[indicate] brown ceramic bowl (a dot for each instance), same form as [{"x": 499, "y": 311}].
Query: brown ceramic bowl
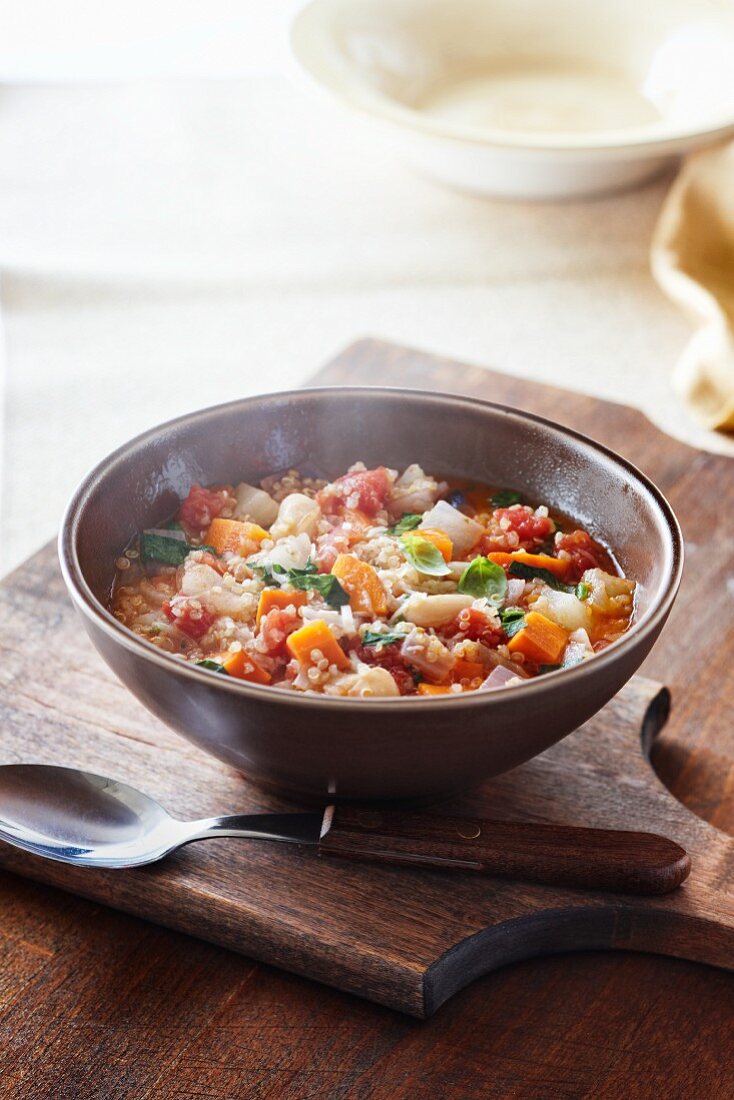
[{"x": 405, "y": 748}]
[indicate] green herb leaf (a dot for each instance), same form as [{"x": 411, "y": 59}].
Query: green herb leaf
[
  {"x": 170, "y": 551},
  {"x": 265, "y": 572},
  {"x": 505, "y": 498},
  {"x": 371, "y": 637},
  {"x": 513, "y": 620},
  {"x": 542, "y": 669},
  {"x": 308, "y": 570},
  {"x": 484, "y": 578},
  {"x": 307, "y": 579},
  {"x": 424, "y": 556},
  {"x": 213, "y": 666},
  {"x": 582, "y": 591},
  {"x": 326, "y": 584},
  {"x": 409, "y": 522},
  {"x": 532, "y": 573}
]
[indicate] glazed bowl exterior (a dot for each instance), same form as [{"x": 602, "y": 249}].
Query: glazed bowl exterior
[{"x": 407, "y": 748}]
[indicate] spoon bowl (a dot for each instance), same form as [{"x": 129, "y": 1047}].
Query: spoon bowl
[{"x": 80, "y": 817}]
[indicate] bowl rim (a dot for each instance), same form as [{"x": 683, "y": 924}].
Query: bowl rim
[
  {"x": 86, "y": 602},
  {"x": 658, "y": 139}
]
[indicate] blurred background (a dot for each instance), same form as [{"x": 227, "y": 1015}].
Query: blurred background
[{"x": 181, "y": 223}]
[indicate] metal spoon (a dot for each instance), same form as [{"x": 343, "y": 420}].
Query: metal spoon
[{"x": 78, "y": 817}]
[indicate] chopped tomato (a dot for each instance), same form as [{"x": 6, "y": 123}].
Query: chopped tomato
[
  {"x": 582, "y": 550},
  {"x": 330, "y": 546},
  {"x": 194, "y": 621},
  {"x": 275, "y": 627},
  {"x": 363, "y": 490},
  {"x": 351, "y": 527},
  {"x": 201, "y": 507},
  {"x": 530, "y": 529},
  {"x": 476, "y": 626}
]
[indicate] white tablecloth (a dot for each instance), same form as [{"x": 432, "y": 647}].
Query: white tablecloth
[{"x": 167, "y": 244}]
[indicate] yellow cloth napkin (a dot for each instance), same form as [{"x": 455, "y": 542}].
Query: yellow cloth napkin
[{"x": 693, "y": 261}]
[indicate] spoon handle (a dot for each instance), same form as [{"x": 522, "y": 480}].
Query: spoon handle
[{"x": 557, "y": 855}]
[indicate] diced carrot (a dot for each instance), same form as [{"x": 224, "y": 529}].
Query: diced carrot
[
  {"x": 540, "y": 640},
  {"x": 434, "y": 689},
  {"x": 316, "y": 636},
  {"x": 361, "y": 581},
  {"x": 557, "y": 566},
  {"x": 440, "y": 540},
  {"x": 232, "y": 534},
  {"x": 277, "y": 597},
  {"x": 242, "y": 667},
  {"x": 468, "y": 670}
]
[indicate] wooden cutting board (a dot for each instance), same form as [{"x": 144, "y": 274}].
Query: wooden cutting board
[{"x": 406, "y": 938}]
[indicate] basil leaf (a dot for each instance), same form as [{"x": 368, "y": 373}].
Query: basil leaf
[
  {"x": 308, "y": 570},
  {"x": 542, "y": 669},
  {"x": 505, "y": 498},
  {"x": 484, "y": 578},
  {"x": 213, "y": 666},
  {"x": 424, "y": 556},
  {"x": 307, "y": 579},
  {"x": 409, "y": 522},
  {"x": 371, "y": 637},
  {"x": 277, "y": 574},
  {"x": 513, "y": 620},
  {"x": 532, "y": 573},
  {"x": 582, "y": 591},
  {"x": 170, "y": 551},
  {"x": 326, "y": 584},
  {"x": 265, "y": 572}
]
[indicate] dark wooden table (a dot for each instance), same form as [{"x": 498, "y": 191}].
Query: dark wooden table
[{"x": 96, "y": 1004}]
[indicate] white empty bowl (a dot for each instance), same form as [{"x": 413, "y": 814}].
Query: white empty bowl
[{"x": 529, "y": 98}]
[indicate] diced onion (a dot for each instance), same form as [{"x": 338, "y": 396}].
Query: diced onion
[
  {"x": 463, "y": 532},
  {"x": 563, "y": 608},
  {"x": 515, "y": 589},
  {"x": 499, "y": 677},
  {"x": 347, "y": 617},
  {"x": 290, "y": 553}
]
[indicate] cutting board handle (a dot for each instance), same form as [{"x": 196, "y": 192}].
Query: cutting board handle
[{"x": 558, "y": 855}]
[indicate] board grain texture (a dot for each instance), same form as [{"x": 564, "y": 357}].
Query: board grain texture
[{"x": 94, "y": 1003}]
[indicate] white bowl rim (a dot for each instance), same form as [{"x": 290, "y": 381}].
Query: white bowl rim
[{"x": 657, "y": 139}]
